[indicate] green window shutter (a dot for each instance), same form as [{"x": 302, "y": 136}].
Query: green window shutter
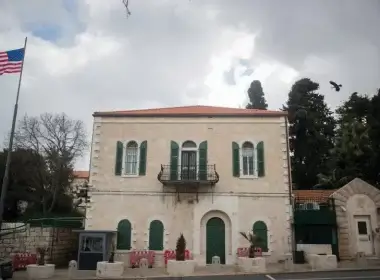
[
  {"x": 174, "y": 152},
  {"x": 203, "y": 160},
  {"x": 235, "y": 160},
  {"x": 143, "y": 152},
  {"x": 156, "y": 236},
  {"x": 260, "y": 159},
  {"x": 124, "y": 230},
  {"x": 119, "y": 158},
  {"x": 261, "y": 231}
]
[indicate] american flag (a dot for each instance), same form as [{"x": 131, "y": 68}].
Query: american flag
[{"x": 11, "y": 61}]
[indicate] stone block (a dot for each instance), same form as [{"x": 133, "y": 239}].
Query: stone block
[
  {"x": 322, "y": 262},
  {"x": 181, "y": 268},
  {"x": 73, "y": 267},
  {"x": 259, "y": 265},
  {"x": 109, "y": 270},
  {"x": 248, "y": 265},
  {"x": 143, "y": 266},
  {"x": 215, "y": 264},
  {"x": 361, "y": 259},
  {"x": 288, "y": 262},
  {"x": 35, "y": 271}
]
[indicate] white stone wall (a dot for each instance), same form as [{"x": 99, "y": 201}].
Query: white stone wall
[
  {"x": 219, "y": 133},
  {"x": 21, "y": 238},
  {"x": 239, "y": 212}
]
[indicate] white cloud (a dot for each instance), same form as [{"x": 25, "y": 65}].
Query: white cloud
[{"x": 175, "y": 52}]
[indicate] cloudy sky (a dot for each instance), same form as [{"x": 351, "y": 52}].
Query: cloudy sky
[{"x": 85, "y": 55}]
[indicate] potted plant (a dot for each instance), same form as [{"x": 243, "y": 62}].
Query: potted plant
[
  {"x": 41, "y": 253},
  {"x": 252, "y": 263},
  {"x": 180, "y": 266},
  {"x": 253, "y": 240},
  {"x": 110, "y": 268},
  {"x": 180, "y": 248},
  {"x": 112, "y": 255},
  {"x": 40, "y": 270}
]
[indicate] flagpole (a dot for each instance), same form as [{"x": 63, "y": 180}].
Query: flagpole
[{"x": 4, "y": 186}]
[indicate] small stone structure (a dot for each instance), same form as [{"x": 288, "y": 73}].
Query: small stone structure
[
  {"x": 109, "y": 270},
  {"x": 288, "y": 262},
  {"x": 181, "y": 268},
  {"x": 215, "y": 263},
  {"x": 322, "y": 262},
  {"x": 143, "y": 266},
  {"x": 73, "y": 268},
  {"x": 256, "y": 265},
  {"x": 35, "y": 271},
  {"x": 22, "y": 238}
]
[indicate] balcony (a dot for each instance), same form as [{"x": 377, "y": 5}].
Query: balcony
[{"x": 188, "y": 175}]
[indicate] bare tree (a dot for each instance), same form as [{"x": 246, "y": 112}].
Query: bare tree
[{"x": 60, "y": 141}]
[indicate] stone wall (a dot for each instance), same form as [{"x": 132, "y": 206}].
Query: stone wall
[{"x": 62, "y": 243}]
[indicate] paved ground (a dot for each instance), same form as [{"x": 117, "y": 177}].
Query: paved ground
[
  {"x": 335, "y": 275},
  {"x": 331, "y": 275}
]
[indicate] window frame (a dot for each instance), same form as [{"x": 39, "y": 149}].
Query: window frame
[
  {"x": 255, "y": 174},
  {"x": 196, "y": 149},
  {"x": 131, "y": 236},
  {"x": 123, "y": 168}
]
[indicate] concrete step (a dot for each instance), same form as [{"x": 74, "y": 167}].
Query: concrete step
[{"x": 373, "y": 261}]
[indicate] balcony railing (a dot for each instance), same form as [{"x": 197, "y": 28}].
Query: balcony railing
[
  {"x": 170, "y": 174},
  {"x": 321, "y": 212}
]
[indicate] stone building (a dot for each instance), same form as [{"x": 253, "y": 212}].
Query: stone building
[
  {"x": 354, "y": 218},
  {"x": 207, "y": 172}
]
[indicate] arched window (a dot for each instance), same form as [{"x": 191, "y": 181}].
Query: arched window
[
  {"x": 261, "y": 231},
  {"x": 124, "y": 230},
  {"x": 189, "y": 145},
  {"x": 131, "y": 158},
  {"x": 248, "y": 158},
  {"x": 156, "y": 236}
]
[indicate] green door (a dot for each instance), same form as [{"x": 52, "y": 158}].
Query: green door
[{"x": 215, "y": 240}]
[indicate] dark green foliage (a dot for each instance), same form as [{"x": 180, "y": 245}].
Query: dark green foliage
[
  {"x": 356, "y": 152},
  {"x": 180, "y": 248},
  {"x": 256, "y": 96},
  {"x": 311, "y": 124}
]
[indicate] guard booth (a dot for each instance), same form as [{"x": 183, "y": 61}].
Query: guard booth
[{"x": 94, "y": 246}]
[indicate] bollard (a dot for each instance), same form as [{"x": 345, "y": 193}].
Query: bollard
[
  {"x": 143, "y": 266},
  {"x": 73, "y": 267}
]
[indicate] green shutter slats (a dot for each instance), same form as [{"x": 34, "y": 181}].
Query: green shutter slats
[
  {"x": 124, "y": 230},
  {"x": 235, "y": 160},
  {"x": 203, "y": 160},
  {"x": 261, "y": 231},
  {"x": 260, "y": 159},
  {"x": 156, "y": 236},
  {"x": 143, "y": 153},
  {"x": 174, "y": 152},
  {"x": 119, "y": 158}
]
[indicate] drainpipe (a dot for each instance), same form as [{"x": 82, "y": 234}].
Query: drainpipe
[{"x": 290, "y": 184}]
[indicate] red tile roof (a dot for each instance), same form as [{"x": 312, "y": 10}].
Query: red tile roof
[
  {"x": 81, "y": 174},
  {"x": 193, "y": 111},
  {"x": 312, "y": 195}
]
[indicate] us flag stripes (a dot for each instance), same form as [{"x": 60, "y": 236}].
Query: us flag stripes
[{"x": 11, "y": 61}]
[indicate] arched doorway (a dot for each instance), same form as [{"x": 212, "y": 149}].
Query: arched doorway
[{"x": 215, "y": 240}]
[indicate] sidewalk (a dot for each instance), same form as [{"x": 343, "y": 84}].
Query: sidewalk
[{"x": 200, "y": 271}]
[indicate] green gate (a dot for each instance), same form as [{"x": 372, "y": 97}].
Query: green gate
[{"x": 215, "y": 240}]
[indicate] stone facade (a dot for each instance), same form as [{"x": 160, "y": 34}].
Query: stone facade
[
  {"x": 355, "y": 202},
  {"x": 21, "y": 238},
  {"x": 239, "y": 201}
]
